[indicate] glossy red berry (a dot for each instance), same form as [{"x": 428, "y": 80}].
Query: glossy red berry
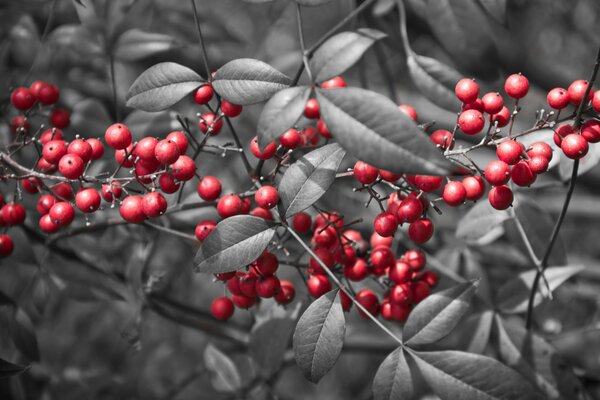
[
  {"x": 409, "y": 110},
  {"x": 516, "y": 86},
  {"x": 356, "y": 271},
  {"x": 144, "y": 149},
  {"x": 209, "y": 188},
  {"x": 22, "y": 98},
  {"x": 596, "y": 101},
  {"x": 242, "y": 301},
  {"x": 502, "y": 118},
  {"x": 111, "y": 191},
  {"x": 31, "y": 185},
  {"x": 369, "y": 301},
  {"x": 323, "y": 130},
  {"x": 62, "y": 213},
  {"x": 230, "y": 110},
  {"x": 62, "y": 191},
  {"x": 522, "y": 175},
  {"x": 443, "y": 139},
  {"x": 132, "y": 209},
  {"x": 180, "y": 139},
  {"x": 500, "y": 197},
  {"x": 420, "y": 231},
  {"x": 401, "y": 294},
  {"x": 266, "y": 197},
  {"x": 428, "y": 183},
  {"x": 265, "y": 154},
  {"x": 210, "y": 124},
  {"x": 154, "y": 204},
  {"x": 454, "y": 193},
  {"x": 54, "y": 150},
  {"x": 222, "y": 308},
  {"x": 492, "y": 103},
  {"x": 87, "y": 200},
  {"x": 47, "y": 94},
  {"x": 415, "y": 258},
  {"x": 577, "y": 91},
  {"x": 45, "y": 202},
  {"x": 47, "y": 225},
  {"x": 267, "y": 286},
  {"x": 389, "y": 176},
  {"x": 335, "y": 82},
  {"x": 60, "y": 118},
  {"x": 168, "y": 184},
  {"x": 421, "y": 291},
  {"x": 301, "y": 222},
  {"x": 409, "y": 210},
  {"x": 467, "y": 90},
  {"x": 184, "y": 168},
  {"x": 538, "y": 164},
  {"x": 325, "y": 256},
  {"x": 400, "y": 272},
  {"x": 540, "y": 149},
  {"x": 497, "y": 173},
  {"x": 291, "y": 139},
  {"x": 476, "y": 105},
  {"x": 13, "y": 214},
  {"x": 382, "y": 258},
  {"x": 591, "y": 131},
  {"x": 166, "y": 152},
  {"x": 386, "y": 224},
  {"x": 118, "y": 136},
  {"x": 365, "y": 173},
  {"x": 286, "y": 293},
  {"x": 71, "y": 166},
  {"x": 558, "y": 98},
  {"x": 204, "y": 228},
  {"x": 574, "y": 146},
  {"x": 471, "y": 122},
  {"x": 229, "y": 205},
  {"x": 474, "y": 187},
  {"x": 203, "y": 94},
  {"x": 311, "y": 110},
  {"x": 19, "y": 124},
  {"x": 266, "y": 264},
  {"x": 6, "y": 245},
  {"x": 318, "y": 285},
  {"x": 561, "y": 132},
  {"x": 81, "y": 148},
  {"x": 510, "y": 151}
]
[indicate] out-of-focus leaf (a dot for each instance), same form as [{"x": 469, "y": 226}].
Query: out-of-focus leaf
[
  {"x": 234, "y": 243},
  {"x": 90, "y": 118},
  {"x": 305, "y": 181},
  {"x": 342, "y": 51},
  {"x": 537, "y": 360},
  {"x": 580, "y": 348},
  {"x": 23, "y": 335},
  {"x": 226, "y": 375},
  {"x": 372, "y": 128},
  {"x": 477, "y": 329},
  {"x": 438, "y": 314},
  {"x": 482, "y": 224},
  {"x": 8, "y": 369},
  {"x": 248, "y": 81},
  {"x": 136, "y": 44},
  {"x": 312, "y": 3},
  {"x": 495, "y": 9},
  {"x": 161, "y": 86},
  {"x": 75, "y": 38},
  {"x": 86, "y": 11},
  {"x": 393, "y": 379},
  {"x": 141, "y": 124},
  {"x": 383, "y": 7},
  {"x": 457, "y": 375},
  {"x": 280, "y": 113},
  {"x": 435, "y": 80},
  {"x": 268, "y": 342},
  {"x": 513, "y": 296},
  {"x": 319, "y": 336},
  {"x": 586, "y": 163}
]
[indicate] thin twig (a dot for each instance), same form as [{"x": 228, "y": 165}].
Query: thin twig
[{"x": 201, "y": 40}]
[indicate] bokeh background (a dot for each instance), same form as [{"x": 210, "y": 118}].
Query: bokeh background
[{"x": 91, "y": 332}]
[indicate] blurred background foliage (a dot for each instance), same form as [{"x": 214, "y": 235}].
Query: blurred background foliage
[{"x": 87, "y": 323}]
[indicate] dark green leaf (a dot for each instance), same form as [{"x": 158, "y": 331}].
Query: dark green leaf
[
  {"x": 438, "y": 314},
  {"x": 308, "y": 179},
  {"x": 393, "y": 379},
  {"x": 226, "y": 375},
  {"x": 234, "y": 243},
  {"x": 373, "y": 129},
  {"x": 161, "y": 86},
  {"x": 136, "y": 44},
  {"x": 268, "y": 342},
  {"x": 435, "y": 80},
  {"x": 281, "y": 112},
  {"x": 457, "y": 375},
  {"x": 513, "y": 296},
  {"x": 248, "y": 81},
  {"x": 342, "y": 51},
  {"x": 537, "y": 360},
  {"x": 8, "y": 369},
  {"x": 482, "y": 224},
  {"x": 319, "y": 336}
]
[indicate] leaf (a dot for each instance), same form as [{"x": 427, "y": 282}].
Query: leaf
[
  {"x": 458, "y": 375},
  {"x": 438, "y": 314},
  {"x": 342, "y": 51},
  {"x": 312, "y": 3},
  {"x": 227, "y": 376},
  {"x": 268, "y": 343},
  {"x": 305, "y": 181},
  {"x": 373, "y": 129},
  {"x": 537, "y": 360},
  {"x": 248, "y": 81},
  {"x": 136, "y": 44},
  {"x": 86, "y": 12},
  {"x": 280, "y": 113},
  {"x": 477, "y": 329},
  {"x": 513, "y": 296},
  {"x": 23, "y": 335},
  {"x": 482, "y": 224},
  {"x": 234, "y": 243},
  {"x": 161, "y": 86},
  {"x": 393, "y": 379},
  {"x": 319, "y": 336},
  {"x": 9, "y": 369},
  {"x": 435, "y": 80},
  {"x": 383, "y": 7},
  {"x": 495, "y": 9}
]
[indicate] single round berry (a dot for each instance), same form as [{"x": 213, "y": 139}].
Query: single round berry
[
  {"x": 386, "y": 224},
  {"x": 409, "y": 210},
  {"x": 47, "y": 94},
  {"x": 184, "y": 168},
  {"x": 31, "y": 185},
  {"x": 266, "y": 197},
  {"x": 577, "y": 91},
  {"x": 377, "y": 240},
  {"x": 54, "y": 150},
  {"x": 13, "y": 214},
  {"x": 154, "y": 204},
  {"x": 265, "y": 154},
  {"x": 87, "y": 200},
  {"x": 203, "y": 94},
  {"x": 522, "y": 175},
  {"x": 204, "y": 228},
  {"x": 242, "y": 301},
  {"x": 326, "y": 236},
  {"x": 471, "y": 122},
  {"x": 500, "y": 197},
  {"x": 301, "y": 222},
  {"x": 538, "y": 164},
  {"x": 310, "y": 135},
  {"x": 408, "y": 110},
  {"x": 400, "y": 272},
  {"x": 516, "y": 86},
  {"x": 229, "y": 205},
  {"x": 311, "y": 110},
  {"x": 421, "y": 291},
  {"x": 474, "y": 187},
  {"x": 62, "y": 191},
  {"x": 325, "y": 256},
  {"x": 335, "y": 82},
  {"x": 389, "y": 176},
  {"x": 266, "y": 264},
  {"x": 22, "y": 98},
  {"x": 60, "y": 118},
  {"x": 45, "y": 202},
  {"x": 574, "y": 146},
  {"x": 132, "y": 209},
  {"x": 454, "y": 193},
  {"x": 558, "y": 98},
  {"x": 47, "y": 225},
  {"x": 428, "y": 183},
  {"x": 62, "y": 213},
  {"x": 415, "y": 258},
  {"x": 230, "y": 110},
  {"x": 222, "y": 308},
  {"x": 369, "y": 301},
  {"x": 6, "y": 245},
  {"x": 210, "y": 124},
  {"x": 591, "y": 131},
  {"x": 540, "y": 149},
  {"x": 497, "y": 173},
  {"x": 262, "y": 213},
  {"x": 420, "y": 231},
  {"x": 510, "y": 151},
  {"x": 118, "y": 136},
  {"x": 168, "y": 184},
  {"x": 81, "y": 148},
  {"x": 443, "y": 139},
  {"x": 166, "y": 152},
  {"x": 365, "y": 173},
  {"x": 291, "y": 139},
  {"x": 467, "y": 90},
  {"x": 401, "y": 294},
  {"x": 286, "y": 294},
  {"x": 561, "y": 132},
  {"x": 501, "y": 118},
  {"x": 382, "y": 258},
  {"x": 144, "y": 149},
  {"x": 209, "y": 188},
  {"x": 492, "y": 103},
  {"x": 323, "y": 130},
  {"x": 267, "y": 286},
  {"x": 318, "y": 285},
  {"x": 356, "y": 271},
  {"x": 71, "y": 166},
  {"x": 180, "y": 139}
]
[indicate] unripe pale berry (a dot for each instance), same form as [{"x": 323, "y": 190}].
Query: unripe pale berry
[
  {"x": 471, "y": 122},
  {"x": 467, "y": 90},
  {"x": 500, "y": 197},
  {"x": 516, "y": 86},
  {"x": 209, "y": 188}
]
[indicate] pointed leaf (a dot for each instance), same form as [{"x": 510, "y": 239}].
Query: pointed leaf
[
  {"x": 393, "y": 379},
  {"x": 227, "y": 376},
  {"x": 136, "y": 44},
  {"x": 280, "y": 113},
  {"x": 248, "y": 81},
  {"x": 342, "y": 51},
  {"x": 476, "y": 331},
  {"x": 373, "y": 129},
  {"x": 457, "y": 375},
  {"x": 308, "y": 179},
  {"x": 435, "y": 80},
  {"x": 482, "y": 224},
  {"x": 513, "y": 296},
  {"x": 438, "y": 314},
  {"x": 9, "y": 369},
  {"x": 234, "y": 243},
  {"x": 537, "y": 360},
  {"x": 319, "y": 336},
  {"x": 269, "y": 341},
  {"x": 495, "y": 9}
]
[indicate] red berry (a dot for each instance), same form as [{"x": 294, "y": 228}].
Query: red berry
[
  {"x": 118, "y": 136},
  {"x": 497, "y": 173},
  {"x": 87, "y": 200},
  {"x": 166, "y": 152},
  {"x": 420, "y": 231},
  {"x": 415, "y": 258},
  {"x": 265, "y": 154},
  {"x": 591, "y": 131},
  {"x": 346, "y": 301},
  {"x": 22, "y": 98},
  {"x": 267, "y": 286},
  {"x": 386, "y": 224},
  {"x": 203, "y": 94},
  {"x": 318, "y": 285},
  {"x": 111, "y": 191},
  {"x": 596, "y": 101},
  {"x": 393, "y": 311},
  {"x": 428, "y": 183},
  {"x": 389, "y": 176},
  {"x": 574, "y": 146},
  {"x": 538, "y": 164},
  {"x": 229, "y": 205},
  {"x": 54, "y": 150},
  {"x": 301, "y": 222},
  {"x": 19, "y": 124},
  {"x": 154, "y": 204},
  {"x": 377, "y": 240},
  {"x": 401, "y": 294},
  {"x": 492, "y": 103},
  {"x": 326, "y": 236},
  {"x": 476, "y": 105},
  {"x": 400, "y": 272},
  {"x": 266, "y": 263},
  {"x": 31, "y": 185},
  {"x": 558, "y": 98},
  {"x": 430, "y": 278},
  {"x": 540, "y": 149},
  {"x": 382, "y": 258},
  {"x": 454, "y": 193},
  {"x": 144, "y": 149},
  {"x": 62, "y": 213},
  {"x": 47, "y": 94},
  {"x": 230, "y": 110},
  {"x": 467, "y": 90},
  {"x": 262, "y": 213},
  {"x": 521, "y": 174},
  {"x": 222, "y": 308},
  {"x": 323, "y": 130},
  {"x": 63, "y": 191},
  {"x": 409, "y": 210},
  {"x": 500, "y": 197},
  {"x": 502, "y": 118},
  {"x": 132, "y": 209},
  {"x": 408, "y": 110},
  {"x": 365, "y": 173},
  {"x": 335, "y": 82},
  {"x": 516, "y": 86},
  {"x": 443, "y": 139},
  {"x": 561, "y": 132},
  {"x": 81, "y": 148},
  {"x": 286, "y": 293},
  {"x": 266, "y": 197},
  {"x": 180, "y": 139},
  {"x": 471, "y": 122},
  {"x": 311, "y": 135},
  {"x": 291, "y": 139},
  {"x": 168, "y": 184},
  {"x": 577, "y": 91},
  {"x": 209, "y": 188},
  {"x": 204, "y": 228},
  {"x": 421, "y": 291},
  {"x": 13, "y": 214},
  {"x": 243, "y": 301},
  {"x": 210, "y": 124},
  {"x": 71, "y": 166},
  {"x": 45, "y": 202},
  {"x": 6, "y": 245},
  {"x": 47, "y": 225},
  {"x": 369, "y": 301},
  {"x": 474, "y": 187},
  {"x": 356, "y": 271},
  {"x": 325, "y": 256},
  {"x": 510, "y": 151},
  {"x": 36, "y": 86},
  {"x": 246, "y": 204},
  {"x": 311, "y": 110},
  {"x": 184, "y": 168},
  {"x": 60, "y": 118}
]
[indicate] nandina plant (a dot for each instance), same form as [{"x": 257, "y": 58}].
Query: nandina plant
[{"x": 292, "y": 267}]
